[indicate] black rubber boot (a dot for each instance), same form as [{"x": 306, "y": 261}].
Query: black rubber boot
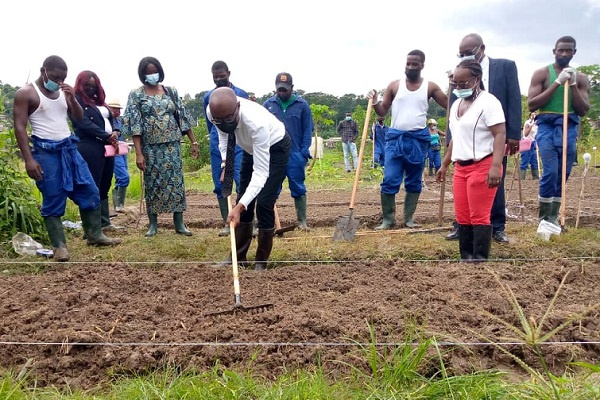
[
  {"x": 388, "y": 209},
  {"x": 300, "y": 205},
  {"x": 554, "y": 213},
  {"x": 482, "y": 240},
  {"x": 535, "y": 174},
  {"x": 410, "y": 205},
  {"x": 243, "y": 239},
  {"x": 90, "y": 219},
  {"x": 179, "y": 225},
  {"x": 56, "y": 233},
  {"x": 465, "y": 242},
  {"x": 545, "y": 211},
  {"x": 119, "y": 194},
  {"x": 265, "y": 245},
  {"x": 224, "y": 212},
  {"x": 105, "y": 217},
  {"x": 430, "y": 171},
  {"x": 152, "y": 225}
]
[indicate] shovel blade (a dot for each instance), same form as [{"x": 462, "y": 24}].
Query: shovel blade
[{"x": 345, "y": 229}]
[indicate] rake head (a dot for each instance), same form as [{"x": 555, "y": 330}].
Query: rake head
[{"x": 239, "y": 309}]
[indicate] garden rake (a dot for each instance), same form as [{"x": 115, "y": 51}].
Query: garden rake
[{"x": 237, "y": 298}]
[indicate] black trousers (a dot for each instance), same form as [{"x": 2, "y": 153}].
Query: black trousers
[
  {"x": 498, "y": 213},
  {"x": 100, "y": 167},
  {"x": 265, "y": 201}
]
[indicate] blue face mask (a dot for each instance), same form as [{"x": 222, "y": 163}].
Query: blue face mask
[
  {"x": 348, "y": 118},
  {"x": 463, "y": 93},
  {"x": 152, "y": 79},
  {"x": 50, "y": 84}
]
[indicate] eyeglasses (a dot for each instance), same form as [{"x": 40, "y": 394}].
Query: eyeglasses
[
  {"x": 469, "y": 52},
  {"x": 461, "y": 85},
  {"x": 227, "y": 120}
]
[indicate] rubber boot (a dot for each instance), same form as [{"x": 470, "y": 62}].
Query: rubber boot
[
  {"x": 224, "y": 212},
  {"x": 300, "y": 204},
  {"x": 388, "y": 209},
  {"x": 263, "y": 251},
  {"x": 482, "y": 240},
  {"x": 554, "y": 212},
  {"x": 152, "y": 225},
  {"x": 90, "y": 219},
  {"x": 56, "y": 233},
  {"x": 535, "y": 174},
  {"x": 545, "y": 211},
  {"x": 105, "y": 217},
  {"x": 410, "y": 205},
  {"x": 430, "y": 171},
  {"x": 179, "y": 225},
  {"x": 243, "y": 239},
  {"x": 119, "y": 194},
  {"x": 465, "y": 242},
  {"x": 523, "y": 174}
]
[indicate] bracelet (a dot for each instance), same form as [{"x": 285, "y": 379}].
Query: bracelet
[{"x": 194, "y": 143}]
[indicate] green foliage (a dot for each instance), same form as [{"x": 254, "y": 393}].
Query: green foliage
[
  {"x": 322, "y": 116},
  {"x": 201, "y": 134},
  {"x": 18, "y": 205}
]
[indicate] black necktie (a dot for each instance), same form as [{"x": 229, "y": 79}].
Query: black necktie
[{"x": 227, "y": 185}]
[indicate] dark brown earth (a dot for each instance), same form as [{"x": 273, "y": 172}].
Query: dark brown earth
[{"x": 134, "y": 319}]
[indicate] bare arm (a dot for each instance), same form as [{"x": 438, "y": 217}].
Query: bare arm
[
  {"x": 495, "y": 174},
  {"x": 438, "y": 95},
  {"x": 388, "y": 97},
  {"x": 23, "y": 98},
  {"x": 538, "y": 96},
  {"x": 581, "y": 95},
  {"x": 74, "y": 109}
]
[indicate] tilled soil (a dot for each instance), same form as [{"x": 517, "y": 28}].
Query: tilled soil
[{"x": 77, "y": 324}]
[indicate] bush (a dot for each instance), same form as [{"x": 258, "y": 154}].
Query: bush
[
  {"x": 201, "y": 135},
  {"x": 19, "y": 210}
]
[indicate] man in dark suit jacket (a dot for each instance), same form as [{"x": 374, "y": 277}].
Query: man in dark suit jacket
[{"x": 500, "y": 79}]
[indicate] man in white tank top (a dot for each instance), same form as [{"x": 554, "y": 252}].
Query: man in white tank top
[
  {"x": 407, "y": 141},
  {"x": 54, "y": 162}
]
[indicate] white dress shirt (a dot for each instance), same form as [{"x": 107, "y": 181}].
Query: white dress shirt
[{"x": 255, "y": 133}]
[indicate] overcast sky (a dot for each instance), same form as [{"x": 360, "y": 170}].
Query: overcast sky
[{"x": 336, "y": 47}]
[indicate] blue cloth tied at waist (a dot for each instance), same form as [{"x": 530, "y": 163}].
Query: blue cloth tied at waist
[
  {"x": 552, "y": 125},
  {"x": 74, "y": 168},
  {"x": 412, "y": 145}
]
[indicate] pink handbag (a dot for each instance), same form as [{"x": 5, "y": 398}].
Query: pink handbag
[{"x": 109, "y": 150}]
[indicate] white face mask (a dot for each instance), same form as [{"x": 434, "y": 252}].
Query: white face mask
[{"x": 152, "y": 79}]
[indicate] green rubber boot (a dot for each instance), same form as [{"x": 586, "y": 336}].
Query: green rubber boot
[
  {"x": 300, "y": 204},
  {"x": 119, "y": 194},
  {"x": 523, "y": 174},
  {"x": 90, "y": 219},
  {"x": 388, "y": 209},
  {"x": 224, "y": 212},
  {"x": 179, "y": 225},
  {"x": 554, "y": 212},
  {"x": 56, "y": 233},
  {"x": 410, "y": 206},
  {"x": 152, "y": 225},
  {"x": 535, "y": 174},
  {"x": 545, "y": 211}
]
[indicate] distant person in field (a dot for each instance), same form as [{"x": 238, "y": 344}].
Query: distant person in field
[
  {"x": 434, "y": 154},
  {"x": 119, "y": 191},
  {"x": 348, "y": 130},
  {"x": 150, "y": 117},
  {"x": 529, "y": 157},
  {"x": 546, "y": 96},
  {"x": 220, "y": 72},
  {"x": 477, "y": 148},
  {"x": 378, "y": 132},
  {"x": 408, "y": 139},
  {"x": 54, "y": 162},
  {"x": 97, "y": 129},
  {"x": 266, "y": 147},
  {"x": 294, "y": 112}
]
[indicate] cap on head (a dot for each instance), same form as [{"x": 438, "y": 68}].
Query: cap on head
[
  {"x": 283, "y": 80},
  {"x": 432, "y": 121},
  {"x": 114, "y": 103}
]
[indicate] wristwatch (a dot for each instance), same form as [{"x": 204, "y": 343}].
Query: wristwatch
[
  {"x": 194, "y": 142},
  {"x": 223, "y": 164}
]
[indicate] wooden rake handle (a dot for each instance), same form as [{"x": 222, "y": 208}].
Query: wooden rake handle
[{"x": 361, "y": 152}]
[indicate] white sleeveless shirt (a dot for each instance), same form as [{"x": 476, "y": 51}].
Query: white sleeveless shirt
[
  {"x": 409, "y": 109},
  {"x": 49, "y": 120}
]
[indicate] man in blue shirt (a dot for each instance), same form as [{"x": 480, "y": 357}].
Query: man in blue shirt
[
  {"x": 295, "y": 113},
  {"x": 221, "y": 74}
]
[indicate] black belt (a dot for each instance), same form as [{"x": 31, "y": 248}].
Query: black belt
[{"x": 471, "y": 162}]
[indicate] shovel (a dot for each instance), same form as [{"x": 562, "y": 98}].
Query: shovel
[
  {"x": 237, "y": 298},
  {"x": 279, "y": 231},
  {"x": 346, "y": 226},
  {"x": 563, "y": 206}
]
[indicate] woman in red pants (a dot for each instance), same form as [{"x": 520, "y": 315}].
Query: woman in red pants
[{"x": 478, "y": 137}]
